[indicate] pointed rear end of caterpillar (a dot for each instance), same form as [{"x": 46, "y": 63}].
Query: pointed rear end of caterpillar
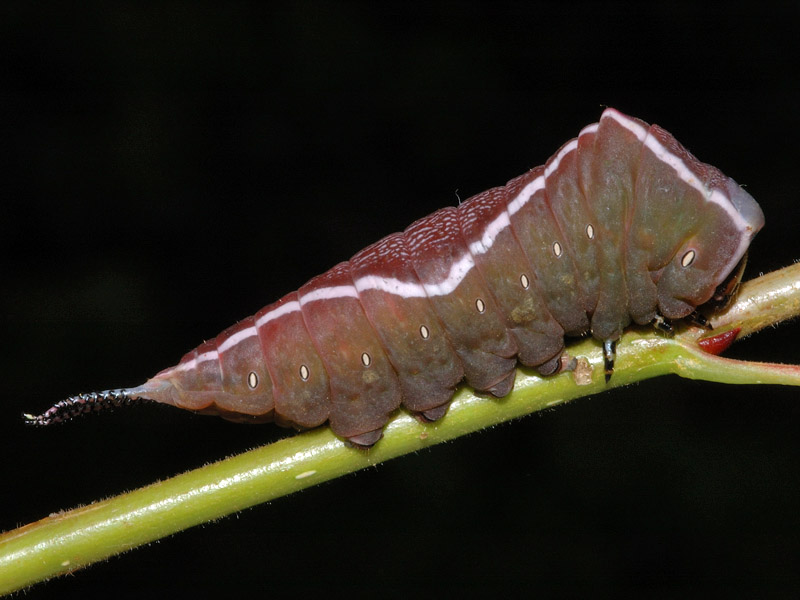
[{"x": 158, "y": 390}]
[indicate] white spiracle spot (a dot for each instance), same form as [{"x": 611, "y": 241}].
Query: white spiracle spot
[
  {"x": 688, "y": 258},
  {"x": 252, "y": 380}
]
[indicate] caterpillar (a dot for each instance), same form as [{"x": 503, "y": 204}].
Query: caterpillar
[{"x": 621, "y": 225}]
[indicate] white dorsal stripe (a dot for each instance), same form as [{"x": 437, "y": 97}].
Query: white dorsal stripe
[
  {"x": 206, "y": 356},
  {"x": 527, "y": 192},
  {"x": 405, "y": 289},
  {"x": 328, "y": 293},
  {"x": 490, "y": 234},
  {"x": 390, "y": 285},
  {"x": 458, "y": 271},
  {"x": 680, "y": 168},
  {"x": 461, "y": 267},
  {"x": 237, "y": 337},
  {"x": 553, "y": 166},
  {"x": 241, "y": 335},
  {"x": 588, "y": 129},
  {"x": 283, "y": 309},
  {"x": 191, "y": 364}
]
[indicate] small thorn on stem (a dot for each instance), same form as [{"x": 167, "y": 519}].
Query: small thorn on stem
[{"x": 74, "y": 406}]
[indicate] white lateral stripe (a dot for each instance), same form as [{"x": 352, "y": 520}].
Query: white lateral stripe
[
  {"x": 588, "y": 129},
  {"x": 206, "y": 356},
  {"x": 337, "y": 291},
  {"x": 460, "y": 268},
  {"x": 553, "y": 166},
  {"x": 236, "y": 338},
  {"x": 390, "y": 285},
  {"x": 275, "y": 313},
  {"x": 458, "y": 271},
  {"x": 493, "y": 229},
  {"x": 527, "y": 192},
  {"x": 632, "y": 126},
  {"x": 683, "y": 172}
]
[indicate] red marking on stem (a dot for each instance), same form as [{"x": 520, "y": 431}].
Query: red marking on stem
[{"x": 716, "y": 344}]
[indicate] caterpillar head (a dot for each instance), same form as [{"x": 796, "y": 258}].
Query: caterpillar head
[{"x": 709, "y": 262}]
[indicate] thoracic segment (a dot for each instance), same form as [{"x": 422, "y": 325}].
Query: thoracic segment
[{"x": 580, "y": 244}]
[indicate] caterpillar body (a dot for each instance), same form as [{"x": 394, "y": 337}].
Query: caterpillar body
[{"x": 621, "y": 225}]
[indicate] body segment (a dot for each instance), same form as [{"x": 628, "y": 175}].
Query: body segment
[{"x": 402, "y": 317}]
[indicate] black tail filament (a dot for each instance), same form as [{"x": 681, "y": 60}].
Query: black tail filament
[{"x": 75, "y": 406}]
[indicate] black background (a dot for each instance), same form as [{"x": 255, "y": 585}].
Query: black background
[{"x": 169, "y": 170}]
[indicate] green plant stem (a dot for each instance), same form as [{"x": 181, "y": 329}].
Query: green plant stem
[{"x": 69, "y": 540}]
